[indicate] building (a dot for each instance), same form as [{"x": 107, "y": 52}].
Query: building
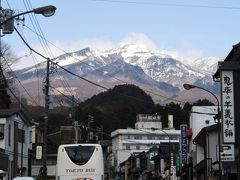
[
  {"x": 15, "y": 143},
  {"x": 228, "y": 73},
  {"x": 148, "y": 132},
  {"x": 204, "y": 146},
  {"x": 201, "y": 121}
]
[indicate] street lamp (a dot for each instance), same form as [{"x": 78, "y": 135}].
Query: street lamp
[
  {"x": 7, "y": 16},
  {"x": 217, "y": 116},
  {"x": 7, "y": 25}
]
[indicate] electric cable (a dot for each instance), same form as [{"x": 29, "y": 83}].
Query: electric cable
[
  {"x": 21, "y": 83},
  {"x": 168, "y": 4},
  {"x": 76, "y": 74}
]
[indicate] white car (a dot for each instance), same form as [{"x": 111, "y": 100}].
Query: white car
[{"x": 23, "y": 178}]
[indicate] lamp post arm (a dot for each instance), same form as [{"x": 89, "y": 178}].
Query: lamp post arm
[
  {"x": 210, "y": 93},
  {"x": 45, "y": 11},
  {"x": 14, "y": 16}
]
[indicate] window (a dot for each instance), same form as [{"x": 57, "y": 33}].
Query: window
[
  {"x": 79, "y": 154},
  {"x": 149, "y": 137},
  {"x": 21, "y": 136},
  {"x": 1, "y": 131},
  {"x": 137, "y": 137},
  {"x": 37, "y": 138},
  {"x": 127, "y": 147},
  {"x": 137, "y": 147},
  {"x": 173, "y": 137}
]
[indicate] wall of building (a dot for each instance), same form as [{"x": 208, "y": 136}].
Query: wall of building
[
  {"x": 11, "y": 143},
  {"x": 212, "y": 149},
  {"x": 201, "y": 116}
]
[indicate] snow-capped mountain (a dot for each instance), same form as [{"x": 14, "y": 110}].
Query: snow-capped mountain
[{"x": 152, "y": 70}]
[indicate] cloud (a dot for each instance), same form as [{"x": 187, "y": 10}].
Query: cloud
[
  {"x": 140, "y": 39},
  {"x": 59, "y": 47},
  {"x": 185, "y": 52},
  {"x": 93, "y": 43}
]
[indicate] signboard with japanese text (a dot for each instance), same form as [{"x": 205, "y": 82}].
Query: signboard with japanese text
[
  {"x": 227, "y": 154},
  {"x": 162, "y": 166},
  {"x": 227, "y": 91},
  {"x": 183, "y": 144}
]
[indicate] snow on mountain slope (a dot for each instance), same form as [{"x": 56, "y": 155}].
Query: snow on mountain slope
[{"x": 130, "y": 63}]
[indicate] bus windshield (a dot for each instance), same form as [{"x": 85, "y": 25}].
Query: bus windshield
[{"x": 79, "y": 154}]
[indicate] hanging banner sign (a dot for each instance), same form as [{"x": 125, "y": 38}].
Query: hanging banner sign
[
  {"x": 183, "y": 144},
  {"x": 227, "y": 91}
]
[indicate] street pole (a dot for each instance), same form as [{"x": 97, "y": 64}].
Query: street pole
[
  {"x": 217, "y": 116},
  {"x": 22, "y": 136},
  {"x": 46, "y": 123},
  {"x": 46, "y": 11}
]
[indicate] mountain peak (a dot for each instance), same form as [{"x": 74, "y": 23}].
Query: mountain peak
[{"x": 83, "y": 52}]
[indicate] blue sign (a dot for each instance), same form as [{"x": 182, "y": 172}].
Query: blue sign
[{"x": 183, "y": 144}]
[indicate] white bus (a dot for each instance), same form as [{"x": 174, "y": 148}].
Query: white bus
[{"x": 80, "y": 162}]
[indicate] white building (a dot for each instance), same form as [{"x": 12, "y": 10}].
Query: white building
[
  {"x": 147, "y": 133},
  {"x": 15, "y": 143},
  {"x": 200, "y": 117}
]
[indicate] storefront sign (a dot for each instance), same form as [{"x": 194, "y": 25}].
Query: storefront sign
[{"x": 227, "y": 91}]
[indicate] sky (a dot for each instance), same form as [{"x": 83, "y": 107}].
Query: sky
[{"x": 193, "y": 28}]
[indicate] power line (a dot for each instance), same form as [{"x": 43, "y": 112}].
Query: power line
[
  {"x": 20, "y": 82},
  {"x": 36, "y": 66},
  {"x": 153, "y": 93},
  {"x": 22, "y": 105},
  {"x": 37, "y": 27},
  {"x": 168, "y": 4},
  {"x": 42, "y": 39},
  {"x": 111, "y": 76},
  {"x": 70, "y": 98},
  {"x": 78, "y": 75}
]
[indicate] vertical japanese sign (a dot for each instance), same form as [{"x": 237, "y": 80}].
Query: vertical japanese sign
[
  {"x": 183, "y": 144},
  {"x": 228, "y": 127}
]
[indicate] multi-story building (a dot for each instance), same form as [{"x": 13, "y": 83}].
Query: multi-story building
[{"x": 148, "y": 132}]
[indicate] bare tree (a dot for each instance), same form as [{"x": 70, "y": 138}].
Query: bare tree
[{"x": 7, "y": 58}]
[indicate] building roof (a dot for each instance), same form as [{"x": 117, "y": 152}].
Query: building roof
[
  {"x": 201, "y": 135},
  {"x": 8, "y": 112},
  {"x": 5, "y": 113},
  {"x": 129, "y": 131},
  {"x": 233, "y": 57}
]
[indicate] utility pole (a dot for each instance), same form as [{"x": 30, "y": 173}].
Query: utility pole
[
  {"x": 46, "y": 122},
  {"x": 7, "y": 17}
]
